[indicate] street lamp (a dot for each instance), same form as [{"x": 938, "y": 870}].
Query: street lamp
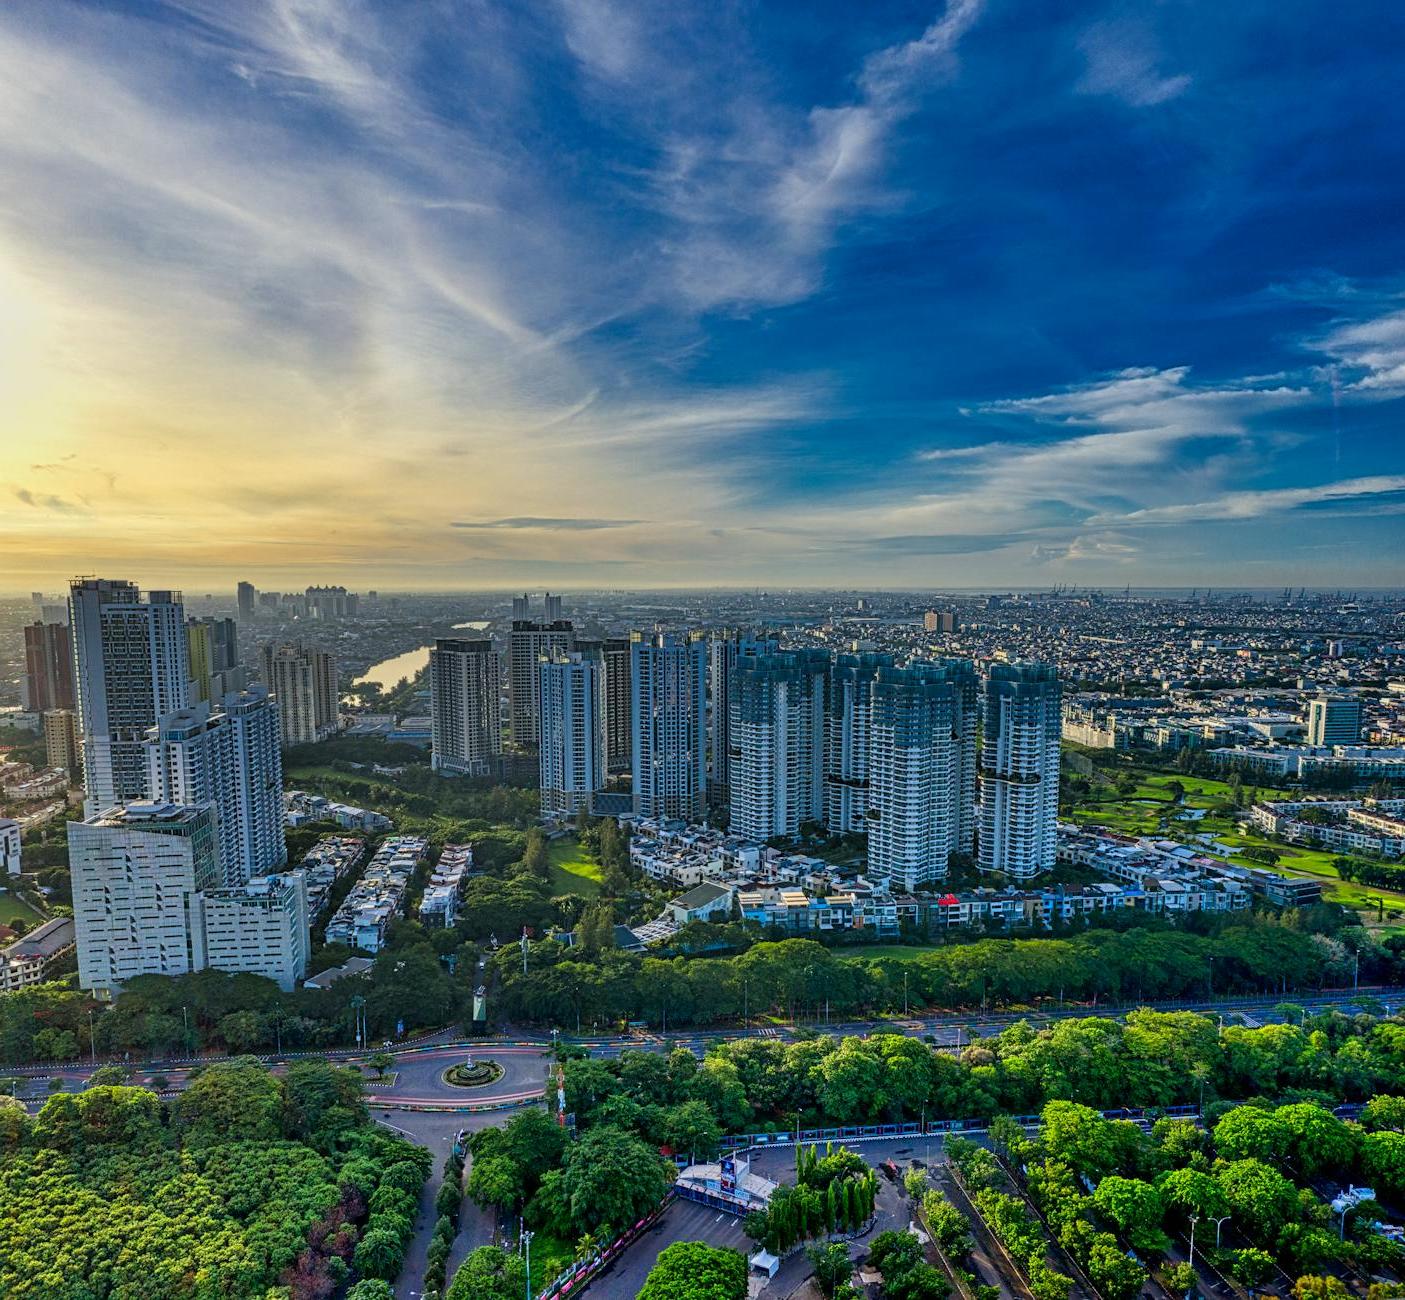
[
  {"x": 1194, "y": 1219},
  {"x": 527, "y": 1236},
  {"x": 1219, "y": 1223}
]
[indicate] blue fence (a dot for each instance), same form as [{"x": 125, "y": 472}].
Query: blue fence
[{"x": 877, "y": 1132}]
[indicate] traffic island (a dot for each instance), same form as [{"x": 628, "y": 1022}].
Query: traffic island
[{"x": 473, "y": 1074}]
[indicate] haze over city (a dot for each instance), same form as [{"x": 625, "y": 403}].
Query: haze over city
[{"x": 431, "y": 297}]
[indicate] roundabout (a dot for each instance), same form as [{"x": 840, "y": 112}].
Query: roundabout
[{"x": 448, "y": 1078}]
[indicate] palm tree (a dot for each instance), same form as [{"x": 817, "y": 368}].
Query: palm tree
[{"x": 587, "y": 1247}]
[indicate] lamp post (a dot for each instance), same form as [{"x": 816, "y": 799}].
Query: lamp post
[
  {"x": 527, "y": 1235},
  {"x": 92, "y": 1041},
  {"x": 1219, "y": 1223},
  {"x": 1194, "y": 1219},
  {"x": 185, "y": 1016},
  {"x": 904, "y": 994}
]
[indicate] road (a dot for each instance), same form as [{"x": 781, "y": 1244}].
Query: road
[{"x": 417, "y": 1102}]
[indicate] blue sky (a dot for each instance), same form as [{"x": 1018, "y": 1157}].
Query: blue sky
[{"x": 464, "y": 294}]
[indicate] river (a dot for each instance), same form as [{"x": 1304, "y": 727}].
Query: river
[{"x": 388, "y": 673}]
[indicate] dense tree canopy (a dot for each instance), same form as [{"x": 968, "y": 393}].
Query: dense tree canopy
[{"x": 239, "y": 1188}]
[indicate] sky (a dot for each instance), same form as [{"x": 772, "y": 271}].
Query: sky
[{"x": 454, "y": 294}]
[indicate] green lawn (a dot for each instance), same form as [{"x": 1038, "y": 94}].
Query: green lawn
[
  {"x": 573, "y": 870},
  {"x": 13, "y": 908}
]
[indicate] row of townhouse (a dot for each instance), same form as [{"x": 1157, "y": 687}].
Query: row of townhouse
[
  {"x": 443, "y": 894},
  {"x": 301, "y": 807},
  {"x": 326, "y": 862},
  {"x": 362, "y": 919},
  {"x": 1198, "y": 881},
  {"x": 1346, "y": 825}
]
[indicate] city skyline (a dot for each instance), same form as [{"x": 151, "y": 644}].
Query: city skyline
[{"x": 949, "y": 296}]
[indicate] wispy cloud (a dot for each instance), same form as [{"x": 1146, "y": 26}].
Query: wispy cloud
[
  {"x": 1257, "y": 504},
  {"x": 528, "y": 522},
  {"x": 1123, "y": 61},
  {"x": 1374, "y": 352}
]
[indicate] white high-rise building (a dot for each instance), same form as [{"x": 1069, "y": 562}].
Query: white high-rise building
[
  {"x": 304, "y": 682},
  {"x": 261, "y": 928},
  {"x": 131, "y": 668},
  {"x": 573, "y": 726},
  {"x": 9, "y": 847},
  {"x": 229, "y": 760},
  {"x": 1334, "y": 720},
  {"x": 465, "y": 685},
  {"x": 137, "y": 872},
  {"x": 846, "y": 780},
  {"x": 776, "y": 745},
  {"x": 668, "y": 712},
  {"x": 1019, "y": 778},
  {"x": 919, "y": 803},
  {"x": 723, "y": 651}
]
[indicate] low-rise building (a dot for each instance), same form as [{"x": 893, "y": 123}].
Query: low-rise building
[
  {"x": 34, "y": 958},
  {"x": 362, "y": 919},
  {"x": 260, "y": 927}
]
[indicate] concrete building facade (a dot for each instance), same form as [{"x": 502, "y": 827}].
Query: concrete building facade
[{"x": 465, "y": 687}]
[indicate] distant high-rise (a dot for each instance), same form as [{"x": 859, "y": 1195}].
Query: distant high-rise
[
  {"x": 1019, "y": 778},
  {"x": 521, "y": 608},
  {"x": 776, "y": 742},
  {"x": 137, "y": 873},
  {"x": 1334, "y": 720},
  {"x": 465, "y": 686},
  {"x": 939, "y": 621},
  {"x": 572, "y": 750},
  {"x": 528, "y": 644},
  {"x": 48, "y": 667},
  {"x": 132, "y": 668},
  {"x": 553, "y": 608},
  {"x": 619, "y": 734},
  {"x": 63, "y": 751},
  {"x": 668, "y": 711},
  {"x": 247, "y": 598},
  {"x": 920, "y": 805},
  {"x": 846, "y": 776},
  {"x": 331, "y": 602},
  {"x": 227, "y": 759},
  {"x": 304, "y": 682},
  {"x": 723, "y": 651},
  {"x": 213, "y": 647}
]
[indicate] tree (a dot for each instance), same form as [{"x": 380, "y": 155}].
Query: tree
[
  {"x": 612, "y": 1178},
  {"x": 915, "y": 1183},
  {"x": 371, "y": 1289},
  {"x": 497, "y": 1181},
  {"x": 920, "y": 1282},
  {"x": 231, "y": 1101},
  {"x": 1180, "y": 1277},
  {"x": 1189, "y": 1191},
  {"x": 489, "y": 1273},
  {"x": 892, "y": 1253},
  {"x": 692, "y": 1270},
  {"x": 379, "y": 1254},
  {"x": 1251, "y": 1266},
  {"x": 1136, "y": 1208},
  {"x": 1384, "y": 1111},
  {"x": 831, "y": 1264},
  {"x": 380, "y": 1062},
  {"x": 1251, "y": 1133},
  {"x": 1261, "y": 1199},
  {"x": 1312, "y": 1287}
]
